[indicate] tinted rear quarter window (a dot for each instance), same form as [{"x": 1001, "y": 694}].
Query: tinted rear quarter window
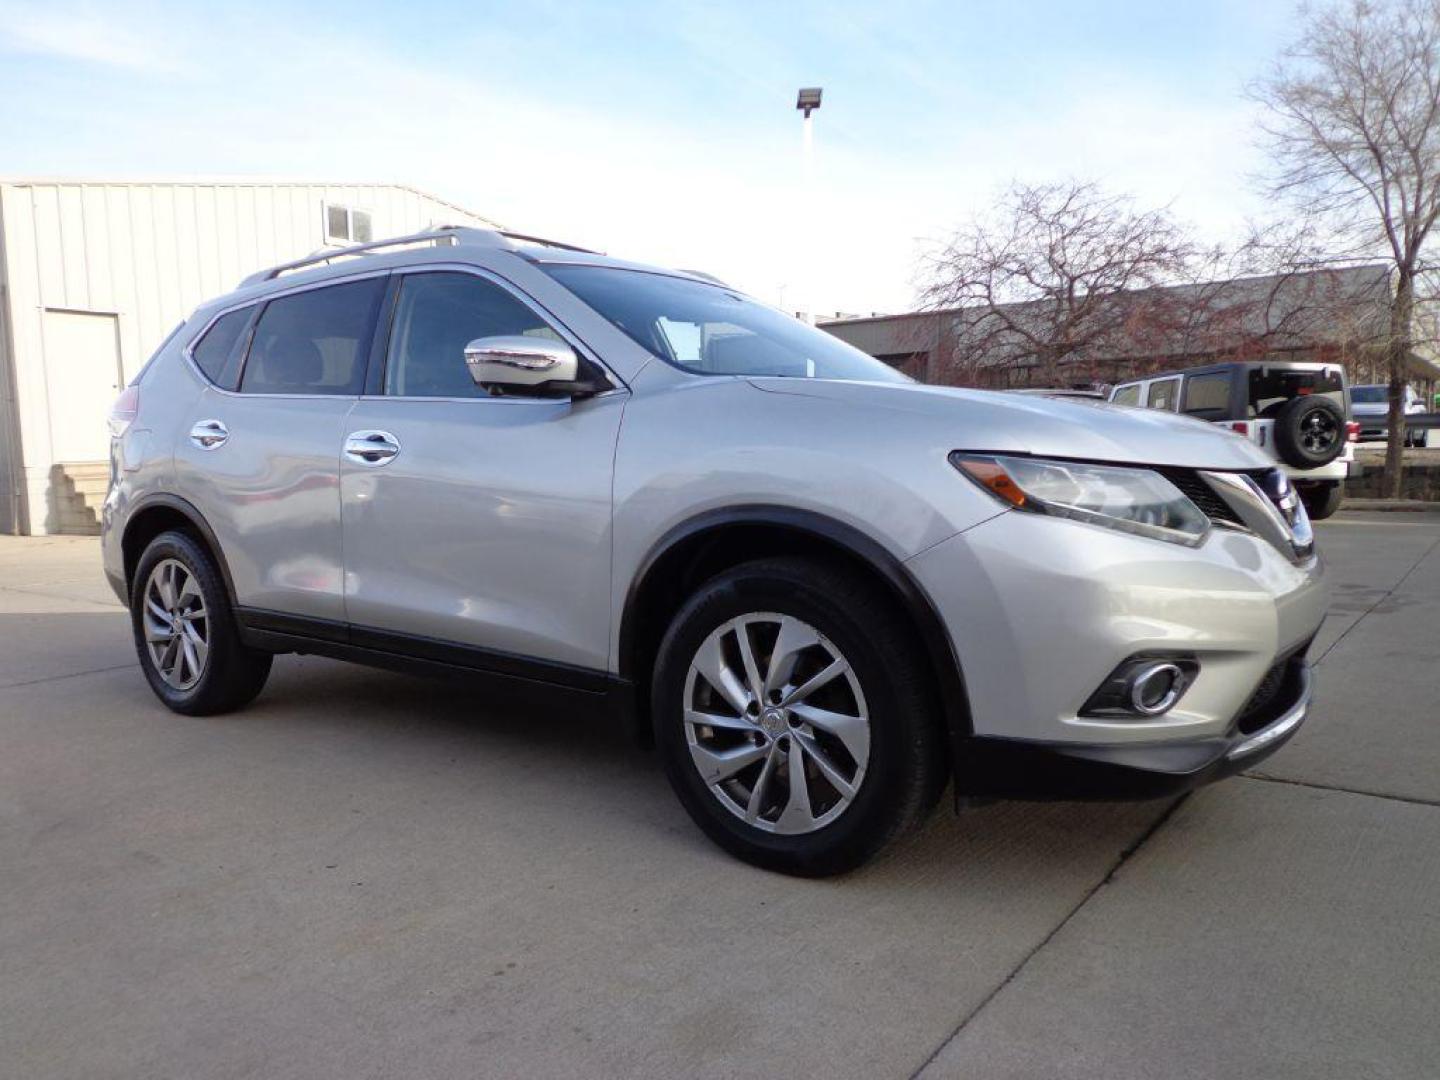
[
  {"x": 1208, "y": 396},
  {"x": 314, "y": 342},
  {"x": 1163, "y": 394},
  {"x": 219, "y": 350}
]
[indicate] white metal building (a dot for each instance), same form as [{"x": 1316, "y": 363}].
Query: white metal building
[{"x": 94, "y": 274}]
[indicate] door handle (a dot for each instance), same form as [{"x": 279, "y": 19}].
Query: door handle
[
  {"x": 371, "y": 447},
  {"x": 209, "y": 434}
]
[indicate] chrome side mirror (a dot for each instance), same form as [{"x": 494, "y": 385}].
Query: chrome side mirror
[{"x": 518, "y": 364}]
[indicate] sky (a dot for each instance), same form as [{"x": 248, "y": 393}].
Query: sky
[{"x": 666, "y": 131}]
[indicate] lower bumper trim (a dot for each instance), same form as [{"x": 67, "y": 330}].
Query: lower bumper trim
[
  {"x": 991, "y": 767},
  {"x": 1280, "y": 729}
]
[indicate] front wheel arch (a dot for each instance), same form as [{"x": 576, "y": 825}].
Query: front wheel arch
[{"x": 709, "y": 544}]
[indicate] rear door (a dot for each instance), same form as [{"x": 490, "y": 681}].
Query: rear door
[
  {"x": 259, "y": 454},
  {"x": 476, "y": 528}
]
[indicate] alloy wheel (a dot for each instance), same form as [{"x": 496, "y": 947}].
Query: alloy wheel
[
  {"x": 177, "y": 627},
  {"x": 776, "y": 723},
  {"x": 1319, "y": 432}
]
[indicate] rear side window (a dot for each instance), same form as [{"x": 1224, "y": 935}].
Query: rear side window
[
  {"x": 219, "y": 350},
  {"x": 314, "y": 342},
  {"x": 1208, "y": 396},
  {"x": 1164, "y": 395},
  {"x": 436, "y": 316},
  {"x": 1127, "y": 395}
]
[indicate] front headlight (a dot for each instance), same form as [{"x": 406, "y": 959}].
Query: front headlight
[{"x": 1139, "y": 501}]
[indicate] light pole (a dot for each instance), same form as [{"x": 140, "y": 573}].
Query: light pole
[{"x": 807, "y": 101}]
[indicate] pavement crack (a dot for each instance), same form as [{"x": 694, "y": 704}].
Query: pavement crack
[
  {"x": 1120, "y": 861},
  {"x": 1411, "y": 799},
  {"x": 69, "y": 675},
  {"x": 1383, "y": 597}
]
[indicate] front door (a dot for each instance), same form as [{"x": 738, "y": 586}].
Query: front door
[{"x": 476, "y": 521}]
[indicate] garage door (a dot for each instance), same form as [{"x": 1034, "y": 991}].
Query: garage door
[{"x": 82, "y": 374}]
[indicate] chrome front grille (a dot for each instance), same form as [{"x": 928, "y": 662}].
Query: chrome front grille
[
  {"x": 1267, "y": 504},
  {"x": 1193, "y": 486}
]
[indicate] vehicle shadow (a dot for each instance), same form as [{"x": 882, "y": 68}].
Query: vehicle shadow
[{"x": 590, "y": 764}]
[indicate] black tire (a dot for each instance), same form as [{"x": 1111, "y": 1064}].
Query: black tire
[
  {"x": 231, "y": 675},
  {"x": 1322, "y": 500},
  {"x": 906, "y": 768},
  {"x": 1309, "y": 431}
]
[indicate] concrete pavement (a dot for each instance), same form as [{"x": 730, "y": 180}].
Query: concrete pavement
[{"x": 370, "y": 875}]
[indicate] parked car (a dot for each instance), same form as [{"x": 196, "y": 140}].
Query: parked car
[
  {"x": 822, "y": 589},
  {"x": 1371, "y": 406},
  {"x": 1298, "y": 414}
]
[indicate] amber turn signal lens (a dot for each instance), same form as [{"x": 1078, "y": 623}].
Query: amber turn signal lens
[{"x": 991, "y": 475}]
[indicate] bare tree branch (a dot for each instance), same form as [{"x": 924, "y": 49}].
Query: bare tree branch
[{"x": 1354, "y": 130}]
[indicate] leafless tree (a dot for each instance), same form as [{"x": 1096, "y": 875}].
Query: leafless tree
[
  {"x": 1354, "y": 129},
  {"x": 1051, "y": 275}
]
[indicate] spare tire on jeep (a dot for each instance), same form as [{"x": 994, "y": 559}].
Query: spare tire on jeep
[{"x": 1309, "y": 431}]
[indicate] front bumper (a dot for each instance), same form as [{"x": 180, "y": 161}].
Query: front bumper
[
  {"x": 1018, "y": 769},
  {"x": 1041, "y": 611}
]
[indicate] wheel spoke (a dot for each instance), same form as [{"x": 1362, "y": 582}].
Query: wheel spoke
[
  {"x": 710, "y": 662},
  {"x": 747, "y": 658},
  {"x": 155, "y": 609},
  {"x": 794, "y": 638},
  {"x": 853, "y": 731},
  {"x": 156, "y": 630},
  {"x": 189, "y": 590},
  {"x": 718, "y": 765},
  {"x": 170, "y": 657},
  {"x": 831, "y": 671},
  {"x": 198, "y": 645},
  {"x": 762, "y": 785},
  {"x": 797, "y": 816},
  {"x": 716, "y": 720},
  {"x": 191, "y": 665},
  {"x": 822, "y": 761}
]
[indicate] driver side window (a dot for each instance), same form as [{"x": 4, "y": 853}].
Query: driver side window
[{"x": 437, "y": 314}]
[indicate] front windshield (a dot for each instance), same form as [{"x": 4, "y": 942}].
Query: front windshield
[
  {"x": 1369, "y": 393},
  {"x": 712, "y": 330}
]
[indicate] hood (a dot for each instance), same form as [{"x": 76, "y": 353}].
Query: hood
[{"x": 992, "y": 420}]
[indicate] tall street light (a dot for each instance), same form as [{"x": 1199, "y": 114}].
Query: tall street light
[{"x": 806, "y": 102}]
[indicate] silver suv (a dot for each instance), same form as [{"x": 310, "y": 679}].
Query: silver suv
[{"x": 822, "y": 590}]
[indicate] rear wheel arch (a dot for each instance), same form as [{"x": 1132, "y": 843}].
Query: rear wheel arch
[
  {"x": 161, "y": 513},
  {"x": 713, "y": 542}
]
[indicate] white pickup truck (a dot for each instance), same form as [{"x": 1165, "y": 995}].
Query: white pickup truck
[{"x": 1298, "y": 413}]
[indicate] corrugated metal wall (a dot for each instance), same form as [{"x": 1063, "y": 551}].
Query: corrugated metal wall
[{"x": 148, "y": 253}]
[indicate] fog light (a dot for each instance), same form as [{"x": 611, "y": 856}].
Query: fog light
[
  {"x": 1155, "y": 688},
  {"x": 1143, "y": 686}
]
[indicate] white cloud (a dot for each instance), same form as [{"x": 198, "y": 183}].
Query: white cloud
[
  {"x": 656, "y": 186},
  {"x": 85, "y": 34}
]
